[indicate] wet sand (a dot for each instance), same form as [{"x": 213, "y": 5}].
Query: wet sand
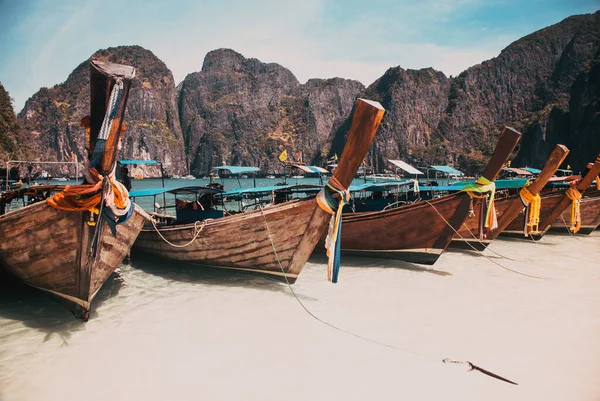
[{"x": 162, "y": 331}]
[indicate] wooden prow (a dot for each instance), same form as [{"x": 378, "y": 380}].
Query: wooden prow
[
  {"x": 558, "y": 155},
  {"x": 506, "y": 144},
  {"x": 366, "y": 119},
  {"x": 564, "y": 203},
  {"x": 103, "y": 77}
]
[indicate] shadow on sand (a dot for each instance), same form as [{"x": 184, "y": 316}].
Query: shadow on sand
[
  {"x": 366, "y": 262},
  {"x": 40, "y": 311},
  {"x": 198, "y": 274}
]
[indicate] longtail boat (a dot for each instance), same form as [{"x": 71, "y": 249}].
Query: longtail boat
[
  {"x": 419, "y": 232},
  {"x": 69, "y": 240},
  {"x": 553, "y": 204},
  {"x": 472, "y": 234},
  {"x": 275, "y": 240}
]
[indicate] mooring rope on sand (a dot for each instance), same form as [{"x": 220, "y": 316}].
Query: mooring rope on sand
[
  {"x": 485, "y": 256},
  {"x": 471, "y": 365},
  {"x": 569, "y": 228},
  {"x": 480, "y": 243}
]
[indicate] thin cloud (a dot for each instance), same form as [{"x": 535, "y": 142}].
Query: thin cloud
[{"x": 313, "y": 38}]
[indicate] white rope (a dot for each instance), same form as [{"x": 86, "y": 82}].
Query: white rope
[
  {"x": 480, "y": 243},
  {"x": 568, "y": 227},
  {"x": 415, "y": 353},
  {"x": 323, "y": 321},
  {"x": 482, "y": 254},
  {"x": 196, "y": 229},
  {"x": 108, "y": 117}
]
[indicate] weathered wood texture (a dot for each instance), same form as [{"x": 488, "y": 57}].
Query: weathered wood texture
[
  {"x": 102, "y": 81},
  {"x": 508, "y": 208},
  {"x": 589, "y": 209},
  {"x": 241, "y": 242},
  {"x": 43, "y": 247},
  {"x": 582, "y": 186},
  {"x": 415, "y": 232},
  {"x": 549, "y": 202},
  {"x": 50, "y": 248},
  {"x": 421, "y": 231}
]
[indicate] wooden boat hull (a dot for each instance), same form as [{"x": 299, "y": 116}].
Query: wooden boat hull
[
  {"x": 549, "y": 202},
  {"x": 589, "y": 209},
  {"x": 277, "y": 240},
  {"x": 242, "y": 241},
  {"x": 414, "y": 233},
  {"x": 468, "y": 236},
  {"x": 47, "y": 248}
]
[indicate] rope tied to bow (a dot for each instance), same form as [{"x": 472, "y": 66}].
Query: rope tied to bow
[
  {"x": 575, "y": 196},
  {"x": 327, "y": 202},
  {"x": 533, "y": 206},
  {"x": 102, "y": 194},
  {"x": 484, "y": 189}
]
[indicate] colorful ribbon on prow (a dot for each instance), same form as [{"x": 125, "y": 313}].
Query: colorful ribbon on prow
[
  {"x": 327, "y": 202},
  {"x": 484, "y": 188},
  {"x": 99, "y": 189},
  {"x": 575, "y": 196},
  {"x": 533, "y": 205}
]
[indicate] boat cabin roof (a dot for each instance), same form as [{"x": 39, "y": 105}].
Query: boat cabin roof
[
  {"x": 518, "y": 171},
  {"x": 148, "y": 162},
  {"x": 447, "y": 170},
  {"x": 307, "y": 169},
  {"x": 269, "y": 189},
  {"x": 406, "y": 167},
  {"x": 188, "y": 190},
  {"x": 531, "y": 170},
  {"x": 379, "y": 186},
  {"x": 237, "y": 169}
]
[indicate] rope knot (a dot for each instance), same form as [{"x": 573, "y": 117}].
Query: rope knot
[
  {"x": 327, "y": 202},
  {"x": 484, "y": 188}
]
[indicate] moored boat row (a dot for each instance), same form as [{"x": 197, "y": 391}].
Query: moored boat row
[{"x": 68, "y": 240}]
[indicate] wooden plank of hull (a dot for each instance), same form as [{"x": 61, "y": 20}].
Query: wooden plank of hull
[
  {"x": 239, "y": 241},
  {"x": 589, "y": 209},
  {"x": 415, "y": 233},
  {"x": 46, "y": 248},
  {"x": 549, "y": 202}
]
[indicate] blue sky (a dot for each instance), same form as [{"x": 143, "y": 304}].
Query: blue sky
[{"x": 42, "y": 41}]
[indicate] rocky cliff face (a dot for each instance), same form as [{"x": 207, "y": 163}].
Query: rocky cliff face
[
  {"x": 12, "y": 144},
  {"x": 540, "y": 84},
  {"x": 51, "y": 117},
  {"x": 244, "y": 112}
]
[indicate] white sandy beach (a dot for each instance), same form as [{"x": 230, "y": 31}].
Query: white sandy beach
[{"x": 172, "y": 333}]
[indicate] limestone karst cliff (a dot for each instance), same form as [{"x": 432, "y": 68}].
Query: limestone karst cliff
[{"x": 51, "y": 117}]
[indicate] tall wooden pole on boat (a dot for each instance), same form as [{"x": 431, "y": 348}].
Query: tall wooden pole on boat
[
  {"x": 506, "y": 144},
  {"x": 365, "y": 121},
  {"x": 564, "y": 202},
  {"x": 556, "y": 158}
]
